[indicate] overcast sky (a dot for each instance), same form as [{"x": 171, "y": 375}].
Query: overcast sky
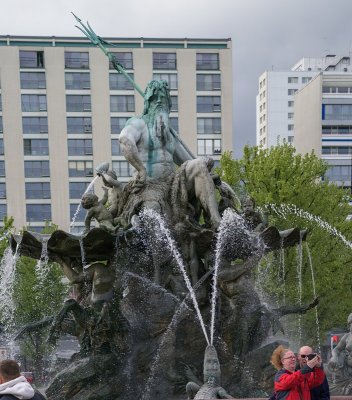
[{"x": 266, "y": 34}]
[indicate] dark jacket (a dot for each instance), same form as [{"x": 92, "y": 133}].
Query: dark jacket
[
  {"x": 321, "y": 392},
  {"x": 37, "y": 396}
]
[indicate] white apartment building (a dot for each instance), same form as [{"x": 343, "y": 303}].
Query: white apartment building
[
  {"x": 62, "y": 108},
  {"x": 276, "y": 97},
  {"x": 323, "y": 122}
]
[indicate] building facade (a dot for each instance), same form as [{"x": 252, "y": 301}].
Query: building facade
[
  {"x": 62, "y": 107},
  {"x": 275, "y": 101},
  {"x": 323, "y": 122}
]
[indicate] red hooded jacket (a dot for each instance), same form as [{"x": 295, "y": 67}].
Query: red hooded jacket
[{"x": 297, "y": 385}]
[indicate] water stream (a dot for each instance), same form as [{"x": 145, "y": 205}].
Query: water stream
[
  {"x": 153, "y": 217},
  {"x": 299, "y": 287},
  {"x": 42, "y": 268}
]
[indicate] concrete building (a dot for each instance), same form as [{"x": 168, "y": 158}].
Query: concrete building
[
  {"x": 276, "y": 96},
  {"x": 62, "y": 108},
  {"x": 323, "y": 122}
]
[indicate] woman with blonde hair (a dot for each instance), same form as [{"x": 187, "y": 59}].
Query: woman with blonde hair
[{"x": 295, "y": 385}]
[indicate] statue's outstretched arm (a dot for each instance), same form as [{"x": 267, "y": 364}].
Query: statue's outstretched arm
[{"x": 284, "y": 310}]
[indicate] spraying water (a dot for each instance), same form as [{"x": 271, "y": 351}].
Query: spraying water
[
  {"x": 314, "y": 294},
  {"x": 90, "y": 188},
  {"x": 153, "y": 217},
  {"x": 41, "y": 268},
  {"x": 83, "y": 252},
  {"x": 7, "y": 275},
  {"x": 284, "y": 209},
  {"x": 299, "y": 279}
]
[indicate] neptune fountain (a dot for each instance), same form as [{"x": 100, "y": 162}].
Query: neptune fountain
[{"x": 165, "y": 280}]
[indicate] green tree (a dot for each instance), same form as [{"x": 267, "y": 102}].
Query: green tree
[{"x": 278, "y": 176}]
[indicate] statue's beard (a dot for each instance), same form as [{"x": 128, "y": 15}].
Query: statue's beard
[{"x": 161, "y": 125}]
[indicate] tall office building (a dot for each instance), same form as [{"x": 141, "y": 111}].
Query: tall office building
[
  {"x": 323, "y": 122},
  {"x": 276, "y": 96},
  {"x": 62, "y": 108}
]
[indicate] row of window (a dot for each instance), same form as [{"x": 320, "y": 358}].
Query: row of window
[
  {"x": 339, "y": 173},
  {"x": 79, "y": 125},
  {"x": 340, "y": 150},
  {"x": 337, "y": 130},
  {"x": 118, "y": 103},
  {"x": 337, "y": 89},
  {"x": 81, "y": 81},
  {"x": 80, "y": 60},
  {"x": 337, "y": 112},
  {"x": 295, "y": 79}
]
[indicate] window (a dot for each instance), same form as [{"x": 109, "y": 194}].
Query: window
[
  {"x": 36, "y": 169},
  {"x": 33, "y": 102},
  {"x": 120, "y": 82},
  {"x": 339, "y": 173},
  {"x": 79, "y": 125},
  {"x": 1, "y": 127},
  {"x": 291, "y": 92},
  {"x": 36, "y": 147},
  {"x": 124, "y": 58},
  {"x": 38, "y": 212},
  {"x": 290, "y": 139},
  {"x": 290, "y": 103},
  {"x": 115, "y": 147},
  {"x": 80, "y": 217},
  {"x": 1, "y": 147},
  {"x": 76, "y": 60},
  {"x": 208, "y": 104},
  {"x": 174, "y": 123},
  {"x": 164, "y": 60},
  {"x": 122, "y": 103},
  {"x": 35, "y": 125},
  {"x": 208, "y": 147},
  {"x": 171, "y": 79},
  {"x": 207, "y": 61},
  {"x": 3, "y": 211},
  {"x": 208, "y": 125},
  {"x": 80, "y": 147},
  {"x": 32, "y": 80},
  {"x": 290, "y": 127},
  {"x": 31, "y": 59},
  {"x": 174, "y": 104},
  {"x": 77, "y": 189},
  {"x": 292, "y": 79},
  {"x": 77, "y": 80},
  {"x": 306, "y": 79},
  {"x": 80, "y": 168},
  {"x": 38, "y": 190},
  {"x": 2, "y": 168},
  {"x": 2, "y": 190},
  {"x": 341, "y": 150},
  {"x": 290, "y": 115},
  {"x": 117, "y": 124},
  {"x": 77, "y": 103},
  {"x": 326, "y": 89},
  {"x": 122, "y": 168},
  {"x": 337, "y": 111},
  {"x": 208, "y": 82}
]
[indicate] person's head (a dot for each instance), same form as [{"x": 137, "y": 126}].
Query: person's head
[
  {"x": 283, "y": 358},
  {"x": 349, "y": 322},
  {"x": 211, "y": 366},
  {"x": 156, "y": 95},
  {"x": 302, "y": 355},
  {"x": 248, "y": 205},
  {"x": 9, "y": 370},
  {"x": 89, "y": 200}
]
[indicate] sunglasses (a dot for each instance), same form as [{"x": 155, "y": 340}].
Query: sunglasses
[{"x": 309, "y": 356}]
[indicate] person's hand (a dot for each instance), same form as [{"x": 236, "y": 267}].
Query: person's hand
[
  {"x": 314, "y": 361},
  {"x": 318, "y": 364},
  {"x": 140, "y": 180}
]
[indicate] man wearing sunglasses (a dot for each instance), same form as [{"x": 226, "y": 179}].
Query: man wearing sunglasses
[{"x": 321, "y": 392}]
